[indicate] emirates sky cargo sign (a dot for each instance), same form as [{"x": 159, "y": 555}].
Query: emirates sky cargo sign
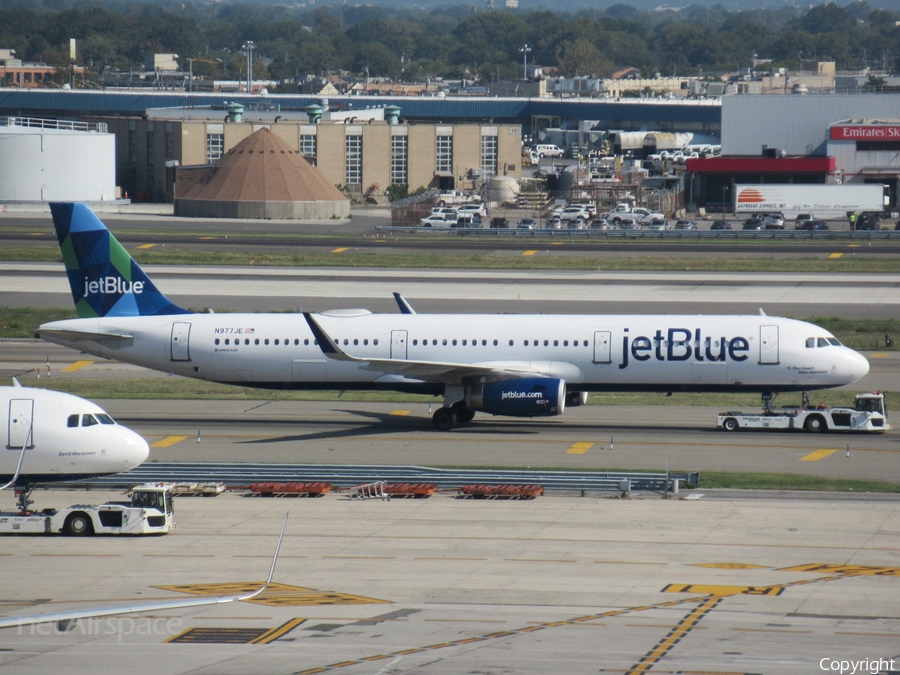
[
  {"x": 822, "y": 201},
  {"x": 866, "y": 132}
]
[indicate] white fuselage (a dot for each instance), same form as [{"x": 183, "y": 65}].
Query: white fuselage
[
  {"x": 591, "y": 353},
  {"x": 67, "y": 437}
]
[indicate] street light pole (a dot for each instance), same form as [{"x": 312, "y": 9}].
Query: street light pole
[
  {"x": 524, "y": 50},
  {"x": 248, "y": 48}
]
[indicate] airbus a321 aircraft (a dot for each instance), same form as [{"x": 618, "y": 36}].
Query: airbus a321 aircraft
[
  {"x": 52, "y": 436},
  {"x": 516, "y": 365}
]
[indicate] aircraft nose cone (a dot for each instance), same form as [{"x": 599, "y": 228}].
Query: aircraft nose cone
[
  {"x": 858, "y": 366},
  {"x": 135, "y": 449}
]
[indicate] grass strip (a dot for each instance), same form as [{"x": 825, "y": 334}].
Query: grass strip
[
  {"x": 548, "y": 261},
  {"x": 787, "y": 481}
]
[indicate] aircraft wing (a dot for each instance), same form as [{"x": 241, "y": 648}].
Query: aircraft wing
[
  {"x": 91, "y": 612},
  {"x": 429, "y": 371}
]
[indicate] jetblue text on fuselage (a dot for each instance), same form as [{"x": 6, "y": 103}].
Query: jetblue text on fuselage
[
  {"x": 676, "y": 345},
  {"x": 112, "y": 286}
]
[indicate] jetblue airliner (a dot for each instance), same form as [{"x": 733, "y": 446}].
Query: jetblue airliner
[
  {"x": 52, "y": 436},
  {"x": 515, "y": 365}
]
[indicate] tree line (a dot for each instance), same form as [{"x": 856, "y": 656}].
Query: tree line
[{"x": 412, "y": 45}]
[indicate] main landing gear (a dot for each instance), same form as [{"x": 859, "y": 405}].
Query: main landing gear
[{"x": 446, "y": 418}]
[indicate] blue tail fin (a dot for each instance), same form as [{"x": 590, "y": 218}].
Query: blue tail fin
[{"x": 104, "y": 278}]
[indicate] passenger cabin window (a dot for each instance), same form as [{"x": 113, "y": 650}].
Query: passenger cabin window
[
  {"x": 72, "y": 421},
  {"x": 88, "y": 420}
]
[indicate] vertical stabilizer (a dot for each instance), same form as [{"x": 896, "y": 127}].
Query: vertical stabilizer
[{"x": 104, "y": 279}]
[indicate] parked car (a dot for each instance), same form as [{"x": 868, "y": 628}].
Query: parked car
[
  {"x": 753, "y": 224},
  {"x": 627, "y": 223},
  {"x": 801, "y": 217},
  {"x": 577, "y": 224},
  {"x": 438, "y": 220},
  {"x": 472, "y": 210},
  {"x": 445, "y": 210},
  {"x": 868, "y": 221},
  {"x": 774, "y": 221},
  {"x": 600, "y": 224},
  {"x": 812, "y": 225},
  {"x": 685, "y": 224},
  {"x": 720, "y": 225},
  {"x": 573, "y": 212},
  {"x": 525, "y": 224},
  {"x": 499, "y": 223},
  {"x": 586, "y": 205},
  {"x": 547, "y": 150},
  {"x": 557, "y": 211},
  {"x": 655, "y": 223},
  {"x": 468, "y": 221},
  {"x": 553, "y": 223}
]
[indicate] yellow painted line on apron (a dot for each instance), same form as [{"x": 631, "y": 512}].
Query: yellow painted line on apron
[
  {"x": 579, "y": 448},
  {"x": 78, "y": 365},
  {"x": 146, "y": 245},
  {"x": 401, "y": 413},
  {"x": 168, "y": 441},
  {"x": 206, "y": 238},
  {"x": 340, "y": 250},
  {"x": 821, "y": 453},
  {"x": 879, "y": 355},
  {"x": 836, "y": 255},
  {"x": 852, "y": 245},
  {"x": 528, "y": 252},
  {"x": 556, "y": 243}
]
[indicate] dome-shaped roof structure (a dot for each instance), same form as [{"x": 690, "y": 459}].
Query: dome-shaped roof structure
[{"x": 261, "y": 177}]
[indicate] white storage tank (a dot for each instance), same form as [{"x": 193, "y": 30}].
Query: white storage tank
[
  {"x": 502, "y": 189},
  {"x": 56, "y": 160}
]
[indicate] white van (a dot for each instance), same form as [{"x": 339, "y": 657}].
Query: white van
[{"x": 547, "y": 150}]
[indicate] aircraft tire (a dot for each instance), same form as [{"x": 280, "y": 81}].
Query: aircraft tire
[
  {"x": 444, "y": 419},
  {"x": 463, "y": 414},
  {"x": 78, "y": 525}
]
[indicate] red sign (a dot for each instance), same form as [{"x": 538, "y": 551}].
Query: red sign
[{"x": 867, "y": 132}]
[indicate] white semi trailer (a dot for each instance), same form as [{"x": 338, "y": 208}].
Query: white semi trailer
[{"x": 820, "y": 201}]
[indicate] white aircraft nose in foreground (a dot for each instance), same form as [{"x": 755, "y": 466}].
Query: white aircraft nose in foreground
[
  {"x": 502, "y": 364},
  {"x": 52, "y": 437}
]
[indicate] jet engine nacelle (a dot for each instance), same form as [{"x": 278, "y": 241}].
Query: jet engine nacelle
[{"x": 526, "y": 397}]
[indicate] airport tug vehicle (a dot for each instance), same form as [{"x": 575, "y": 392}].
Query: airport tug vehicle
[
  {"x": 868, "y": 415},
  {"x": 150, "y": 511}
]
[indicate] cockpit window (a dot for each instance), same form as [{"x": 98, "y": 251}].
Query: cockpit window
[
  {"x": 72, "y": 421},
  {"x": 834, "y": 341},
  {"x": 88, "y": 420},
  {"x": 105, "y": 419},
  {"x": 822, "y": 342},
  {"x": 810, "y": 343}
]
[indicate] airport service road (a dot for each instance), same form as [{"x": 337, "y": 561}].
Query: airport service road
[
  {"x": 262, "y": 289},
  {"x": 446, "y": 586},
  {"x": 589, "y": 437}
]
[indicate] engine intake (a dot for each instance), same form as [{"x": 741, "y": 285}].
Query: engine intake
[{"x": 526, "y": 397}]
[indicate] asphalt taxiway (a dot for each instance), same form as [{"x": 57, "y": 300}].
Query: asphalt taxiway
[{"x": 448, "y": 586}]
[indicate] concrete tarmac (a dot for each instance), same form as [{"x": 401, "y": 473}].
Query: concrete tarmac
[
  {"x": 460, "y": 291},
  {"x": 448, "y": 586}
]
